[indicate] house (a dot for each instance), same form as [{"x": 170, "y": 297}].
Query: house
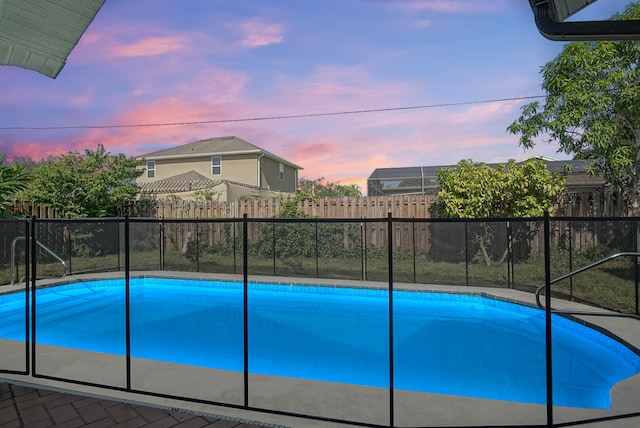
[
  {"x": 585, "y": 194},
  {"x": 422, "y": 180},
  {"x": 227, "y": 166}
]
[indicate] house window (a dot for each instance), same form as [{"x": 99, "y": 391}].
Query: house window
[
  {"x": 151, "y": 169},
  {"x": 216, "y": 165},
  {"x": 281, "y": 172}
]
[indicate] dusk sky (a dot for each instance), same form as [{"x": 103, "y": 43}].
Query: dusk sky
[{"x": 144, "y": 62}]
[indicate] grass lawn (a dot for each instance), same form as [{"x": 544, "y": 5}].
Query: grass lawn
[{"x": 610, "y": 285}]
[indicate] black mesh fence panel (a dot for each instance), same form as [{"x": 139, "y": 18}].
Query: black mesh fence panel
[
  {"x": 13, "y": 298},
  {"x": 487, "y": 247},
  {"x": 444, "y": 260},
  {"x": 145, "y": 244},
  {"x": 326, "y": 321},
  {"x": 87, "y": 246},
  {"x": 579, "y": 243},
  {"x": 376, "y": 249},
  {"x": 526, "y": 254}
]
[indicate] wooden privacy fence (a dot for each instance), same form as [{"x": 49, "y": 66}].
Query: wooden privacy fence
[
  {"x": 35, "y": 209},
  {"x": 575, "y": 204},
  {"x": 413, "y": 206},
  {"x": 602, "y": 203}
]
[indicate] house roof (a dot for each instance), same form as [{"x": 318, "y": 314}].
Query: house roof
[
  {"x": 578, "y": 166},
  {"x": 39, "y": 35},
  {"x": 213, "y": 147},
  {"x": 185, "y": 182}
]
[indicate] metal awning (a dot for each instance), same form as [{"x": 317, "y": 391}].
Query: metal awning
[
  {"x": 39, "y": 35},
  {"x": 550, "y": 16}
]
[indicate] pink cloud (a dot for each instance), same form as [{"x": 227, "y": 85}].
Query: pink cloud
[
  {"x": 38, "y": 151},
  {"x": 482, "y": 141},
  {"x": 138, "y": 140},
  {"x": 124, "y": 41},
  {"x": 256, "y": 32},
  {"x": 80, "y": 101},
  {"x": 452, "y": 6},
  {"x": 337, "y": 89},
  {"x": 338, "y": 159},
  {"x": 317, "y": 150},
  {"x": 150, "y": 46},
  {"x": 487, "y": 111},
  {"x": 436, "y": 5},
  {"x": 214, "y": 85}
]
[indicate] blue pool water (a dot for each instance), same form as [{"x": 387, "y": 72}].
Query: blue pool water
[{"x": 443, "y": 343}]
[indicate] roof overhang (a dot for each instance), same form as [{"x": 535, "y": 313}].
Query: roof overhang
[
  {"x": 39, "y": 35},
  {"x": 199, "y": 155},
  {"x": 550, "y": 16}
]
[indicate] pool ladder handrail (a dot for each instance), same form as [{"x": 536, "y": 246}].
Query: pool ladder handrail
[
  {"x": 580, "y": 270},
  {"x": 44, "y": 247}
]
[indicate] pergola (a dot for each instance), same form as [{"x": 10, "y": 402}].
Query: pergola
[{"x": 39, "y": 35}]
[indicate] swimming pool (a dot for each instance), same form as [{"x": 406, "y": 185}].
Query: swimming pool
[{"x": 464, "y": 345}]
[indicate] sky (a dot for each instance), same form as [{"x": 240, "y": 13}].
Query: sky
[{"x": 442, "y": 77}]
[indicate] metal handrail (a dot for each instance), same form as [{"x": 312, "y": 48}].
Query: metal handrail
[
  {"x": 44, "y": 247},
  {"x": 580, "y": 270}
]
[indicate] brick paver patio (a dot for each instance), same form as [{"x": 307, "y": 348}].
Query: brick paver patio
[{"x": 22, "y": 406}]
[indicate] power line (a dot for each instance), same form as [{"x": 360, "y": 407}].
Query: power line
[{"x": 253, "y": 119}]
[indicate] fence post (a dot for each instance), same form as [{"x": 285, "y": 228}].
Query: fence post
[
  {"x": 570, "y": 260},
  {"x": 363, "y": 250},
  {"x": 162, "y": 242},
  {"x": 27, "y": 277},
  {"x": 510, "y": 276},
  {"x": 127, "y": 273},
  {"x": 466, "y": 252},
  {"x": 273, "y": 245},
  {"x": 317, "y": 252},
  {"x": 31, "y": 248},
  {"x": 547, "y": 310},
  {"x": 635, "y": 264},
  {"x": 234, "y": 225},
  {"x": 197, "y": 247},
  {"x": 391, "y": 355},
  {"x": 413, "y": 244},
  {"x": 245, "y": 279},
  {"x": 70, "y": 246}
]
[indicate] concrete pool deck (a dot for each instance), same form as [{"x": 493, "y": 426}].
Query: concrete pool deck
[{"x": 324, "y": 399}]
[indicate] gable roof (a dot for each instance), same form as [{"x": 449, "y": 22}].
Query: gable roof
[
  {"x": 214, "y": 147},
  {"x": 185, "y": 182}
]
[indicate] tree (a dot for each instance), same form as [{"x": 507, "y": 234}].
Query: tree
[
  {"x": 93, "y": 184},
  {"x": 592, "y": 108},
  {"x": 325, "y": 189},
  {"x": 25, "y": 162},
  {"x": 476, "y": 190},
  {"x": 13, "y": 178}
]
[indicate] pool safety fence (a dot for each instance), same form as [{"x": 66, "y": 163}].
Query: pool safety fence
[{"x": 392, "y": 253}]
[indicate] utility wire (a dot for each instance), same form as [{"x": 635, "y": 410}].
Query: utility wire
[{"x": 253, "y": 119}]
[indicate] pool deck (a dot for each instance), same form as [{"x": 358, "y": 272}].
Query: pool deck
[
  {"x": 28, "y": 401},
  {"x": 24, "y": 405}
]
